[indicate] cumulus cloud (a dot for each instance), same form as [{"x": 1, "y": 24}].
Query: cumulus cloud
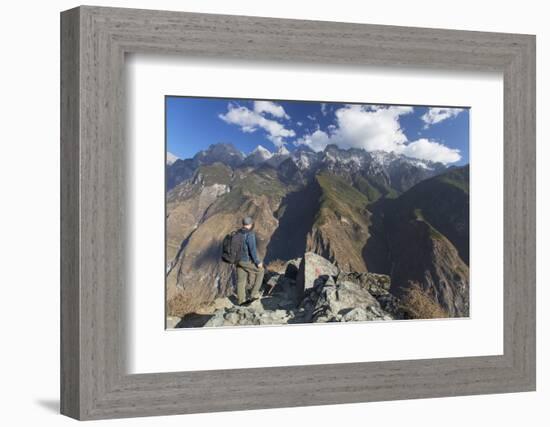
[
  {"x": 362, "y": 127},
  {"x": 437, "y": 114},
  {"x": 250, "y": 121},
  {"x": 376, "y": 128},
  {"x": 430, "y": 150},
  {"x": 272, "y": 108},
  {"x": 317, "y": 140}
]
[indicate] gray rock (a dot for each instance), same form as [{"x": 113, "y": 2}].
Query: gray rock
[
  {"x": 216, "y": 320},
  {"x": 313, "y": 269},
  {"x": 232, "y": 318},
  {"x": 376, "y": 284},
  {"x": 335, "y": 303},
  {"x": 356, "y": 315},
  {"x": 172, "y": 321},
  {"x": 392, "y": 305}
]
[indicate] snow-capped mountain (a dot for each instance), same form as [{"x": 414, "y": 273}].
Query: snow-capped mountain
[
  {"x": 279, "y": 157},
  {"x": 393, "y": 170},
  {"x": 283, "y": 151},
  {"x": 224, "y": 153},
  {"x": 259, "y": 155},
  {"x": 305, "y": 158},
  {"x": 388, "y": 170},
  {"x": 171, "y": 158}
]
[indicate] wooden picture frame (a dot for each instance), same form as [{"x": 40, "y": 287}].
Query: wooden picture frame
[{"x": 94, "y": 41}]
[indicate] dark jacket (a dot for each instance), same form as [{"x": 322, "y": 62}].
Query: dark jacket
[{"x": 249, "y": 247}]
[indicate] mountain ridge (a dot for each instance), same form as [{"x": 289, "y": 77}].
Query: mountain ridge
[{"x": 364, "y": 212}]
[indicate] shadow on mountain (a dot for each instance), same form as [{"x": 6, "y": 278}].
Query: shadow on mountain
[
  {"x": 211, "y": 254},
  {"x": 296, "y": 217},
  {"x": 376, "y": 252}
]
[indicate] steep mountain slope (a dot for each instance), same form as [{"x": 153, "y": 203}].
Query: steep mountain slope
[
  {"x": 422, "y": 227},
  {"x": 181, "y": 170},
  {"x": 365, "y": 212},
  {"x": 202, "y": 210},
  {"x": 340, "y": 227},
  {"x": 444, "y": 202}
]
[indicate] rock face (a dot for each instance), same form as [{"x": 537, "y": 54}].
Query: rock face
[
  {"x": 313, "y": 267},
  {"x": 343, "y": 301}
]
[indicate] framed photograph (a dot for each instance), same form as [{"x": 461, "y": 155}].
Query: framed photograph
[
  {"x": 353, "y": 212},
  {"x": 261, "y": 213}
]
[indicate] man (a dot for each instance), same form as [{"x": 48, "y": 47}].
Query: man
[{"x": 249, "y": 266}]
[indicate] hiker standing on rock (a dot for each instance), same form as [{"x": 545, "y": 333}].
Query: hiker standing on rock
[
  {"x": 249, "y": 266},
  {"x": 239, "y": 249}
]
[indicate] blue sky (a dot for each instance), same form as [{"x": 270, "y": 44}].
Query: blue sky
[{"x": 431, "y": 133}]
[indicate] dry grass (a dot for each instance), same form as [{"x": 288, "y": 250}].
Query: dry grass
[
  {"x": 420, "y": 304},
  {"x": 187, "y": 301},
  {"x": 180, "y": 305},
  {"x": 277, "y": 266}
]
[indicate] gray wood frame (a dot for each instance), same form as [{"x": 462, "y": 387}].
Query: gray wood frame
[{"x": 94, "y": 383}]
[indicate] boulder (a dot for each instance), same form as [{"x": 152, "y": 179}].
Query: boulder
[
  {"x": 376, "y": 284},
  {"x": 357, "y": 314},
  {"x": 342, "y": 301},
  {"x": 216, "y": 320},
  {"x": 313, "y": 269},
  {"x": 392, "y": 305},
  {"x": 361, "y": 314},
  {"x": 232, "y": 318}
]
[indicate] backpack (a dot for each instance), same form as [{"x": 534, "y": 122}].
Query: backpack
[{"x": 232, "y": 247}]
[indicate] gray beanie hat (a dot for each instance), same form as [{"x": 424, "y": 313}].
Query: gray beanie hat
[{"x": 247, "y": 220}]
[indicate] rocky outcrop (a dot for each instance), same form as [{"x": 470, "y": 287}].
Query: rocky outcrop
[
  {"x": 334, "y": 296},
  {"x": 312, "y": 268},
  {"x": 342, "y": 301}
]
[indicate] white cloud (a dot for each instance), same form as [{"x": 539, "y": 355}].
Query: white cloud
[
  {"x": 317, "y": 140},
  {"x": 362, "y": 127},
  {"x": 436, "y": 114},
  {"x": 250, "y": 121},
  {"x": 311, "y": 117},
  {"x": 376, "y": 128},
  {"x": 272, "y": 108},
  {"x": 324, "y": 110},
  {"x": 430, "y": 150}
]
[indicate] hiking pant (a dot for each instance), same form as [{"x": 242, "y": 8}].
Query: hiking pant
[{"x": 248, "y": 270}]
